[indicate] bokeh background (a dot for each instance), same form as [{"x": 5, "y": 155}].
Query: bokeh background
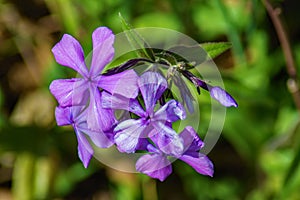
[{"x": 258, "y": 154}]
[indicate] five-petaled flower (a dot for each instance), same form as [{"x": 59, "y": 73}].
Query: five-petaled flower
[
  {"x": 85, "y": 89},
  {"x": 128, "y": 133},
  {"x": 157, "y": 163}
]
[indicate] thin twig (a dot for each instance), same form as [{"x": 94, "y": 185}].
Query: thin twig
[{"x": 290, "y": 64}]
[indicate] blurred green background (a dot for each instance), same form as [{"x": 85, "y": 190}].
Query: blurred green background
[{"x": 258, "y": 154}]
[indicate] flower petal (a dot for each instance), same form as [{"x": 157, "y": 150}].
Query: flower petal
[
  {"x": 191, "y": 141},
  {"x": 68, "y": 52},
  {"x": 171, "y": 112},
  {"x": 99, "y": 118},
  {"x": 69, "y": 115},
  {"x": 103, "y": 50},
  {"x": 63, "y": 116},
  {"x": 128, "y": 134},
  {"x": 167, "y": 140},
  {"x": 185, "y": 93},
  {"x": 155, "y": 166},
  {"x": 122, "y": 103},
  {"x": 152, "y": 86},
  {"x": 85, "y": 150},
  {"x": 124, "y": 84},
  {"x": 222, "y": 96},
  {"x": 69, "y": 92},
  {"x": 99, "y": 138},
  {"x": 201, "y": 164}
]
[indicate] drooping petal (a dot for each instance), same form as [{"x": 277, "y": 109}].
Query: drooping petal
[
  {"x": 103, "y": 50},
  {"x": 155, "y": 165},
  {"x": 122, "y": 103},
  {"x": 99, "y": 118},
  {"x": 170, "y": 112},
  {"x": 222, "y": 96},
  {"x": 85, "y": 150},
  {"x": 70, "y": 92},
  {"x": 166, "y": 139},
  {"x": 68, "y": 52},
  {"x": 152, "y": 85},
  {"x": 128, "y": 134},
  {"x": 201, "y": 164},
  {"x": 124, "y": 84},
  {"x": 185, "y": 93},
  {"x": 191, "y": 141},
  {"x": 188, "y": 101},
  {"x": 99, "y": 138}
]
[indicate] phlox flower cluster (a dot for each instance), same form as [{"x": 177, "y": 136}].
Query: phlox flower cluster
[{"x": 88, "y": 103}]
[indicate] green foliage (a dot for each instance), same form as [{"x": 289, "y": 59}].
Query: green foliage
[
  {"x": 137, "y": 41},
  {"x": 214, "y": 49},
  {"x": 258, "y": 154}
]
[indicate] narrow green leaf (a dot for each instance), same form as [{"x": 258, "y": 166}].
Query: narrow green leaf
[
  {"x": 214, "y": 49},
  {"x": 136, "y": 40}
]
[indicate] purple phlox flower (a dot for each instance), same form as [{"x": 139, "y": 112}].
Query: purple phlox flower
[
  {"x": 158, "y": 165},
  {"x": 85, "y": 89},
  {"x": 130, "y": 132},
  {"x": 216, "y": 92},
  {"x": 76, "y": 117}
]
